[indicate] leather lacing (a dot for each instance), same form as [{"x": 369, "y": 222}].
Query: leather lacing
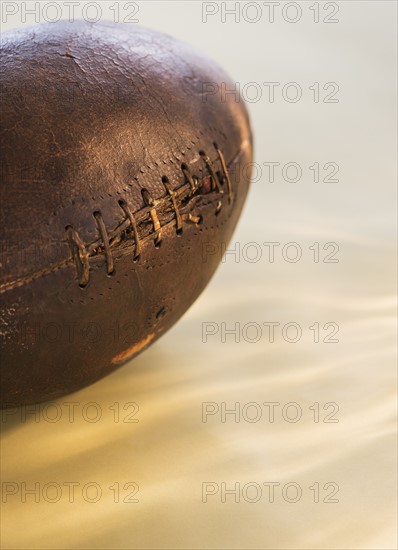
[{"x": 81, "y": 253}]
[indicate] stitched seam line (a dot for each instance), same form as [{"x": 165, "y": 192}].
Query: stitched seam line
[{"x": 81, "y": 253}]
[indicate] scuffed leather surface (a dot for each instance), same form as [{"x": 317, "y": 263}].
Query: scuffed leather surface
[{"x": 91, "y": 114}]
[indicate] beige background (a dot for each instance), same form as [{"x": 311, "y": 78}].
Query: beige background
[{"x": 170, "y": 452}]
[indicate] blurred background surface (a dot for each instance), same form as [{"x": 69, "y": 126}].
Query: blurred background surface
[{"x": 329, "y": 450}]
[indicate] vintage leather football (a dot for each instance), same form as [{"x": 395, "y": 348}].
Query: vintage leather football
[{"x": 124, "y": 168}]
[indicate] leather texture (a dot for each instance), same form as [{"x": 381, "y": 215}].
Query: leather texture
[{"x": 124, "y": 168}]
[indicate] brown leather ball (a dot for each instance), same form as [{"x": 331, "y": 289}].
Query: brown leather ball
[{"x": 123, "y": 172}]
